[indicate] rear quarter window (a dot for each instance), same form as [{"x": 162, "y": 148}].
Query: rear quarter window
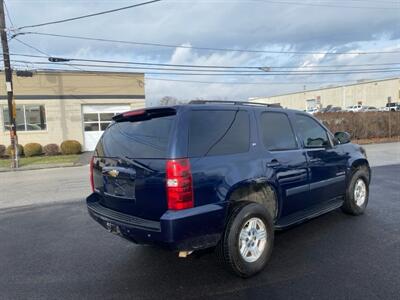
[{"x": 218, "y": 132}]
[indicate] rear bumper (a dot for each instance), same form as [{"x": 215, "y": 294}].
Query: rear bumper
[{"x": 190, "y": 229}]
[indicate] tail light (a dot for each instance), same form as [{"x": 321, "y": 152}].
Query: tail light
[
  {"x": 91, "y": 174},
  {"x": 179, "y": 184}
]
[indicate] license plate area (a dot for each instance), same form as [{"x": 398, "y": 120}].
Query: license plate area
[{"x": 121, "y": 188}]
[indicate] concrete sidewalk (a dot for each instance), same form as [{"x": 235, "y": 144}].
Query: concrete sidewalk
[
  {"x": 43, "y": 186},
  {"x": 383, "y": 154}
]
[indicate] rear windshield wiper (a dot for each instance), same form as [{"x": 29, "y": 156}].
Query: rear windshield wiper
[{"x": 136, "y": 163}]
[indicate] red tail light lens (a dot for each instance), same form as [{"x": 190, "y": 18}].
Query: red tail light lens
[
  {"x": 179, "y": 184},
  {"x": 134, "y": 113},
  {"x": 91, "y": 174}
]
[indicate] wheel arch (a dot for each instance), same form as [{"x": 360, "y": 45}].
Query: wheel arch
[
  {"x": 255, "y": 191},
  {"x": 360, "y": 163}
]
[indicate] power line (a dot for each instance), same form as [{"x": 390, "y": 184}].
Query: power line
[
  {"x": 271, "y": 74},
  {"x": 42, "y": 52},
  {"x": 154, "y": 64},
  {"x": 32, "y": 47},
  {"x": 201, "y": 48},
  {"x": 89, "y": 15},
  {"x": 241, "y": 82},
  {"x": 8, "y": 14},
  {"x": 255, "y": 74},
  {"x": 199, "y": 70}
]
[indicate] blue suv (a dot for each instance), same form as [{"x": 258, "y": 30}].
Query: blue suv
[{"x": 223, "y": 175}]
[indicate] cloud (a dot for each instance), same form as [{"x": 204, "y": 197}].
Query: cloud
[{"x": 222, "y": 24}]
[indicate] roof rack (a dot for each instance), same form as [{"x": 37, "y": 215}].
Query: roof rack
[{"x": 232, "y": 102}]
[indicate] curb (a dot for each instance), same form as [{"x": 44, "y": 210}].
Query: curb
[{"x": 41, "y": 167}]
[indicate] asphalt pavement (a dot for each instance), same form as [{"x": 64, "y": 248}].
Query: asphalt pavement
[{"x": 51, "y": 249}]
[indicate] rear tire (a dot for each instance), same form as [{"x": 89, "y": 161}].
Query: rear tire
[
  {"x": 357, "y": 192},
  {"x": 247, "y": 242}
]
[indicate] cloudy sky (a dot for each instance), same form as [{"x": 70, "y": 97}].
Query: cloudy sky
[{"x": 344, "y": 26}]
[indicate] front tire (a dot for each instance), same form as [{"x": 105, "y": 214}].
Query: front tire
[
  {"x": 248, "y": 240},
  {"x": 357, "y": 193}
]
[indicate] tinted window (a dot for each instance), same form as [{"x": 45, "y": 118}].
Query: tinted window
[
  {"x": 144, "y": 139},
  {"x": 218, "y": 132},
  {"x": 313, "y": 135},
  {"x": 277, "y": 134}
]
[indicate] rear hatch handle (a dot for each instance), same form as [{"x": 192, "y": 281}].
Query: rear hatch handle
[{"x": 119, "y": 172}]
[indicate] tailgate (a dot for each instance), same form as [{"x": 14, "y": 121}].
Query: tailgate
[
  {"x": 136, "y": 189},
  {"x": 129, "y": 165}
]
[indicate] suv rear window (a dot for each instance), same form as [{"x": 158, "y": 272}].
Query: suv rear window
[
  {"x": 218, "y": 132},
  {"x": 141, "y": 139}
]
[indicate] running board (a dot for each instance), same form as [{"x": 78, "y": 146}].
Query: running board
[{"x": 302, "y": 216}]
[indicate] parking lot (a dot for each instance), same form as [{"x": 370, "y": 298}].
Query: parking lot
[{"x": 51, "y": 249}]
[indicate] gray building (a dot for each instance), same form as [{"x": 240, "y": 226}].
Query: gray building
[{"x": 372, "y": 93}]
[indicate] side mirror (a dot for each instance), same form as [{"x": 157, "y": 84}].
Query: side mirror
[{"x": 343, "y": 137}]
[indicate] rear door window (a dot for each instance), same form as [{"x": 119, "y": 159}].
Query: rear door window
[
  {"x": 276, "y": 131},
  {"x": 218, "y": 132}
]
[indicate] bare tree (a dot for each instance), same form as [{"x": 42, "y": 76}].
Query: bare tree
[{"x": 168, "y": 100}]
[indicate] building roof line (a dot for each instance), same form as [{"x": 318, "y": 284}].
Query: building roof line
[{"x": 326, "y": 88}]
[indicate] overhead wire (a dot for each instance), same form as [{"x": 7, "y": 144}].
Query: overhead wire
[
  {"x": 240, "y": 82},
  {"x": 88, "y": 15},
  {"x": 256, "y": 74},
  {"x": 264, "y": 68},
  {"x": 8, "y": 14},
  {"x": 206, "y": 70},
  {"x": 174, "y": 46},
  {"x": 129, "y": 75},
  {"x": 42, "y": 52}
]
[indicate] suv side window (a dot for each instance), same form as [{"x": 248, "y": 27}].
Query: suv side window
[
  {"x": 311, "y": 132},
  {"x": 218, "y": 132},
  {"x": 277, "y": 133}
]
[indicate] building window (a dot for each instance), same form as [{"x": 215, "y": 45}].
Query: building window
[
  {"x": 97, "y": 121},
  {"x": 28, "y": 118}
]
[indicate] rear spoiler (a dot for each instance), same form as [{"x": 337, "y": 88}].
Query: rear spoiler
[{"x": 144, "y": 114}]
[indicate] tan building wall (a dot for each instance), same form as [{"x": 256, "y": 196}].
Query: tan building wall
[
  {"x": 63, "y": 96},
  {"x": 371, "y": 93}
]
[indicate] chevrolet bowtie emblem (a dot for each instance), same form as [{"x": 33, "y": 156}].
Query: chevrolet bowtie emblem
[{"x": 113, "y": 173}]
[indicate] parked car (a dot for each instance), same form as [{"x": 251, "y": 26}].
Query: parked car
[
  {"x": 208, "y": 174},
  {"x": 354, "y": 108},
  {"x": 331, "y": 108},
  {"x": 335, "y": 109},
  {"x": 369, "y": 108},
  {"x": 393, "y": 106},
  {"x": 313, "y": 110}
]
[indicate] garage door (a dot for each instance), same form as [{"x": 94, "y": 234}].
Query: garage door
[{"x": 96, "y": 119}]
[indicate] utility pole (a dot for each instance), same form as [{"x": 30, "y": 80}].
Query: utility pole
[{"x": 9, "y": 87}]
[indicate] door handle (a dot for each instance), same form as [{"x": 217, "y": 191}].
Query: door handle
[
  {"x": 314, "y": 160},
  {"x": 273, "y": 163}
]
